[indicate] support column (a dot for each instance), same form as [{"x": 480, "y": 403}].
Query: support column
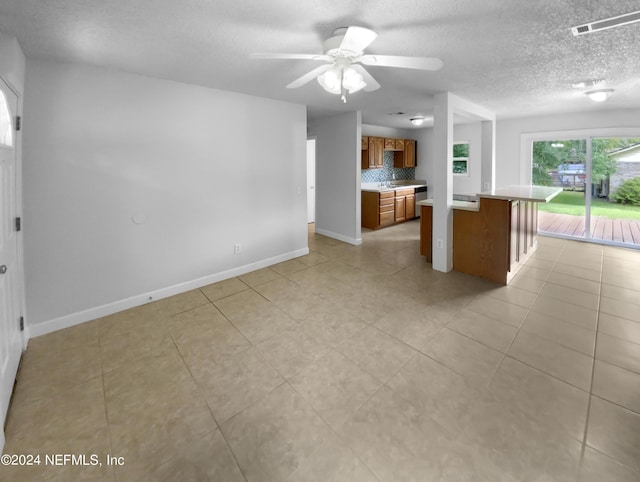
[
  {"x": 442, "y": 240},
  {"x": 488, "y": 156}
]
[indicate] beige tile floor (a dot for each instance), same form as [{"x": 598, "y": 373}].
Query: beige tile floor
[{"x": 352, "y": 364}]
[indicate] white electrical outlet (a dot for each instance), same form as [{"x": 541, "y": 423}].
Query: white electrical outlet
[
  {"x": 486, "y": 186},
  {"x": 439, "y": 243},
  {"x": 237, "y": 248}
]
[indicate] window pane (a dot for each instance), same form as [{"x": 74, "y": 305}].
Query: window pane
[
  {"x": 460, "y": 166},
  {"x": 461, "y": 150}
]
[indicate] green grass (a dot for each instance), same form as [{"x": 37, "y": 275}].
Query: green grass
[{"x": 570, "y": 202}]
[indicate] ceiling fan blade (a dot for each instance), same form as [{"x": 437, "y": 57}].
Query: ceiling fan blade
[
  {"x": 418, "y": 63},
  {"x": 372, "y": 84},
  {"x": 309, "y": 76},
  {"x": 356, "y": 39},
  {"x": 267, "y": 55}
]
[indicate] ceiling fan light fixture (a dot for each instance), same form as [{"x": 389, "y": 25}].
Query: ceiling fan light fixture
[
  {"x": 352, "y": 80},
  {"x": 417, "y": 121},
  {"x": 599, "y": 95},
  {"x": 330, "y": 81},
  {"x": 337, "y": 79}
]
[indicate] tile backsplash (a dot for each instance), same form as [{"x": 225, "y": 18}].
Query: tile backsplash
[{"x": 387, "y": 172}]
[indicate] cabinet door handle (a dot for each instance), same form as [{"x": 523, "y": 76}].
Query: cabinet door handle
[{"x": 3, "y": 269}]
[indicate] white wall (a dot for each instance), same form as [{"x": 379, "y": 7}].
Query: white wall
[
  {"x": 137, "y": 186},
  {"x": 461, "y": 133},
  {"x": 338, "y": 176},
  {"x": 390, "y": 132},
  {"x": 508, "y": 133}
]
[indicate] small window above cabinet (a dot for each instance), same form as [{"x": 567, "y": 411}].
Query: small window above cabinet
[{"x": 461, "y": 159}]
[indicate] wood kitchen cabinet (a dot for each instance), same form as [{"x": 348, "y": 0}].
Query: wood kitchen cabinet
[
  {"x": 426, "y": 232},
  {"x": 378, "y": 209},
  {"x": 410, "y": 205},
  {"x": 373, "y": 157},
  {"x": 406, "y": 157},
  {"x": 494, "y": 242},
  {"x": 400, "y": 209},
  {"x": 405, "y": 204}
]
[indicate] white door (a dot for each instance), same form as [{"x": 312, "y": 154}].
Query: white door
[
  {"x": 10, "y": 335},
  {"x": 311, "y": 180}
]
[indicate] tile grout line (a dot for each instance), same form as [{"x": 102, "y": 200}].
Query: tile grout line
[
  {"x": 104, "y": 396},
  {"x": 186, "y": 365},
  {"x": 583, "y": 447}
]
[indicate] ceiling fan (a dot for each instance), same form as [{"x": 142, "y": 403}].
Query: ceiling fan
[{"x": 343, "y": 54}]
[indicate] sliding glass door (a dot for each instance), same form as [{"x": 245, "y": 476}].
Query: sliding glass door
[
  {"x": 600, "y": 181},
  {"x": 615, "y": 196},
  {"x": 562, "y": 163}
]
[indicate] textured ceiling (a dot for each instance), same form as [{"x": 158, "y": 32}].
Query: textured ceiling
[{"x": 517, "y": 58}]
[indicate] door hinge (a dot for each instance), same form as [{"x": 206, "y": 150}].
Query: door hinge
[
  {"x": 18, "y": 122},
  {"x": 22, "y": 323},
  {"x": 18, "y": 224}
]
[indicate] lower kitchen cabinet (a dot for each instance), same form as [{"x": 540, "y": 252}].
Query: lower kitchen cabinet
[
  {"x": 405, "y": 202},
  {"x": 493, "y": 242},
  {"x": 381, "y": 209}
]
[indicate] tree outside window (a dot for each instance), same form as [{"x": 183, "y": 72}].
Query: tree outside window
[{"x": 461, "y": 159}]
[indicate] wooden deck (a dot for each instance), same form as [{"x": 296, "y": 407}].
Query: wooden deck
[{"x": 619, "y": 230}]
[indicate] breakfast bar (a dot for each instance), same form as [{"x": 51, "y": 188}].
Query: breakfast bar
[{"x": 493, "y": 235}]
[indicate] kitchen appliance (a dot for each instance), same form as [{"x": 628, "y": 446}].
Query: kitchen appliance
[{"x": 421, "y": 195}]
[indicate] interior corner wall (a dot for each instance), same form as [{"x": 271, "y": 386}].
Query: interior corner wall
[
  {"x": 509, "y": 131},
  {"x": 338, "y": 176},
  {"x": 137, "y": 188}
]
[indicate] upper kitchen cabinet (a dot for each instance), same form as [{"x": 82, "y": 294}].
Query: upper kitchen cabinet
[
  {"x": 406, "y": 157},
  {"x": 372, "y": 158},
  {"x": 389, "y": 144}
]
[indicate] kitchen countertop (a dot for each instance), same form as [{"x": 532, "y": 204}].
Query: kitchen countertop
[
  {"x": 523, "y": 193},
  {"x": 460, "y": 205},
  {"x": 377, "y": 187}
]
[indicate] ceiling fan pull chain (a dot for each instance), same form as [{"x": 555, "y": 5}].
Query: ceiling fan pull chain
[{"x": 342, "y": 88}]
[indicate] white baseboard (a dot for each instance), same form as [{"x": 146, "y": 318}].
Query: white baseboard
[
  {"x": 42, "y": 328},
  {"x": 339, "y": 237}
]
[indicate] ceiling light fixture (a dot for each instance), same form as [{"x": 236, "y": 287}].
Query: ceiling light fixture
[
  {"x": 340, "y": 79},
  {"x": 417, "y": 121},
  {"x": 599, "y": 95}
]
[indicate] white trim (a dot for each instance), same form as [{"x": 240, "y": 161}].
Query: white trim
[
  {"x": 19, "y": 207},
  {"x": 73, "y": 319},
  {"x": 339, "y": 237}
]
